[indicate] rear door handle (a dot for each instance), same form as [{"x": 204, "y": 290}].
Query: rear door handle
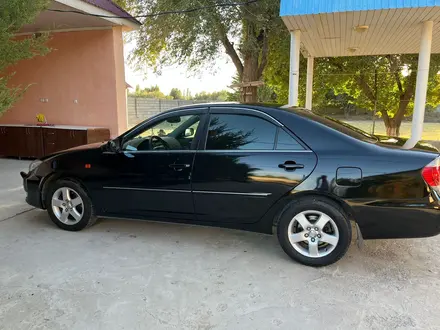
[
  {"x": 179, "y": 167},
  {"x": 290, "y": 166}
]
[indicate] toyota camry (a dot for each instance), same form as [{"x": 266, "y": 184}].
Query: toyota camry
[{"x": 267, "y": 169}]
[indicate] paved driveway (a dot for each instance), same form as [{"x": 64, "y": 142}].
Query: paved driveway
[{"x": 145, "y": 275}]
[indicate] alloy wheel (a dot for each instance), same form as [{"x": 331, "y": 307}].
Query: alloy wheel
[
  {"x": 67, "y": 205},
  {"x": 313, "y": 234}
]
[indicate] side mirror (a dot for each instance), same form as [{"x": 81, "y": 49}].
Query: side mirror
[
  {"x": 189, "y": 132},
  {"x": 113, "y": 146}
]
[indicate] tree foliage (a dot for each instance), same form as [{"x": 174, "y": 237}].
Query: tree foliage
[
  {"x": 390, "y": 78},
  {"x": 14, "y": 14},
  {"x": 176, "y": 94},
  {"x": 197, "y": 38},
  {"x": 219, "y": 96},
  {"x": 152, "y": 92}
]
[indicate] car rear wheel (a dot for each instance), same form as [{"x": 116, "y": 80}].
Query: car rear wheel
[
  {"x": 69, "y": 207},
  {"x": 314, "y": 231}
]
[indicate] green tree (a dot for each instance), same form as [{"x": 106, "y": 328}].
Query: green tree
[
  {"x": 13, "y": 15},
  {"x": 176, "y": 94},
  {"x": 391, "y": 79},
  {"x": 219, "y": 96},
  {"x": 124, "y": 4},
  {"x": 196, "y": 38},
  {"x": 152, "y": 92}
]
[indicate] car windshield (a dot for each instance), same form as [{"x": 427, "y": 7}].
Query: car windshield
[{"x": 338, "y": 125}]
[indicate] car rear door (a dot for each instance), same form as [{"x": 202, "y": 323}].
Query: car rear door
[{"x": 246, "y": 163}]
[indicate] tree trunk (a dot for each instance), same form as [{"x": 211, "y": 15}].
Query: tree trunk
[
  {"x": 393, "y": 127},
  {"x": 250, "y": 74},
  {"x": 249, "y": 94},
  {"x": 254, "y": 54},
  {"x": 393, "y": 124}
]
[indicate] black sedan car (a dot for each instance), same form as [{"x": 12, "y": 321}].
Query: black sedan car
[{"x": 248, "y": 167}]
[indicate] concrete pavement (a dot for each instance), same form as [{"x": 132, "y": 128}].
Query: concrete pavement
[{"x": 146, "y": 275}]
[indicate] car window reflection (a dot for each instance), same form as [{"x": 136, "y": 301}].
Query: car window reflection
[{"x": 240, "y": 132}]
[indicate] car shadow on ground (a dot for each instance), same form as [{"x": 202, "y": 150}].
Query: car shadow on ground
[
  {"x": 222, "y": 240},
  {"x": 406, "y": 253}
]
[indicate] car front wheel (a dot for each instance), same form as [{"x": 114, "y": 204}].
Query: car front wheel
[
  {"x": 69, "y": 206},
  {"x": 314, "y": 231}
]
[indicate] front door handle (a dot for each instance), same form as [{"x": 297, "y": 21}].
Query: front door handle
[
  {"x": 179, "y": 167},
  {"x": 290, "y": 166}
]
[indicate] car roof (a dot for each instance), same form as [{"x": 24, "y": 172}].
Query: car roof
[
  {"x": 309, "y": 127},
  {"x": 265, "y": 107}
]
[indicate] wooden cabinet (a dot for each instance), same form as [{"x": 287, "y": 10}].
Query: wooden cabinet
[
  {"x": 50, "y": 138},
  {"x": 77, "y": 138},
  {"x": 3, "y": 141},
  {"x": 35, "y": 141},
  {"x": 14, "y": 140},
  {"x": 55, "y": 139}
]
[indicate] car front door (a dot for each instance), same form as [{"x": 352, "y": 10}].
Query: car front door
[
  {"x": 151, "y": 176},
  {"x": 248, "y": 161}
]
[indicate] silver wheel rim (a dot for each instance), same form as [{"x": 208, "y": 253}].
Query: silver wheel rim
[
  {"x": 68, "y": 206},
  {"x": 313, "y": 234}
]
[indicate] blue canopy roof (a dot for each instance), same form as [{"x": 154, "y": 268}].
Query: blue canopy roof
[{"x": 310, "y": 7}]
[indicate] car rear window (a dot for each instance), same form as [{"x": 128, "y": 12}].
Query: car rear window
[
  {"x": 240, "y": 132},
  {"x": 335, "y": 124}
]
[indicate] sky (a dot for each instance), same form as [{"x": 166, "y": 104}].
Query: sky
[{"x": 209, "y": 79}]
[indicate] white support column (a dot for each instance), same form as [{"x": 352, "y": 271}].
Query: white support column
[
  {"x": 309, "y": 86},
  {"x": 295, "y": 42},
  {"x": 421, "y": 85}
]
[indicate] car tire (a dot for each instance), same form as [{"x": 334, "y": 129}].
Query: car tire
[
  {"x": 326, "y": 224},
  {"x": 69, "y": 206}
]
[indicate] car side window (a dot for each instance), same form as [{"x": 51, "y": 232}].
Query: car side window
[
  {"x": 240, "y": 132},
  {"x": 171, "y": 133},
  {"x": 287, "y": 142}
]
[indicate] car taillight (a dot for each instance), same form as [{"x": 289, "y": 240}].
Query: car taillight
[{"x": 431, "y": 174}]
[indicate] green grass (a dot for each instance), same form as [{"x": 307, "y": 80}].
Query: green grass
[{"x": 431, "y": 131}]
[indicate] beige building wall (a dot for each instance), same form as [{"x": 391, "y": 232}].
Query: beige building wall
[{"x": 80, "y": 82}]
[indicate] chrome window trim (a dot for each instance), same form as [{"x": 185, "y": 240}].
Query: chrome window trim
[
  {"x": 246, "y": 109},
  {"x": 253, "y": 151},
  {"x": 214, "y": 151},
  {"x": 148, "y": 189},
  {"x": 171, "y": 112},
  {"x": 255, "y": 194},
  {"x": 158, "y": 151}
]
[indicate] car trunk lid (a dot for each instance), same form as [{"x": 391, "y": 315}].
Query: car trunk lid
[{"x": 398, "y": 142}]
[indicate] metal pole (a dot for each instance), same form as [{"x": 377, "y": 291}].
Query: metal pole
[
  {"x": 375, "y": 100},
  {"x": 421, "y": 85},
  {"x": 295, "y": 42},
  {"x": 309, "y": 86}
]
